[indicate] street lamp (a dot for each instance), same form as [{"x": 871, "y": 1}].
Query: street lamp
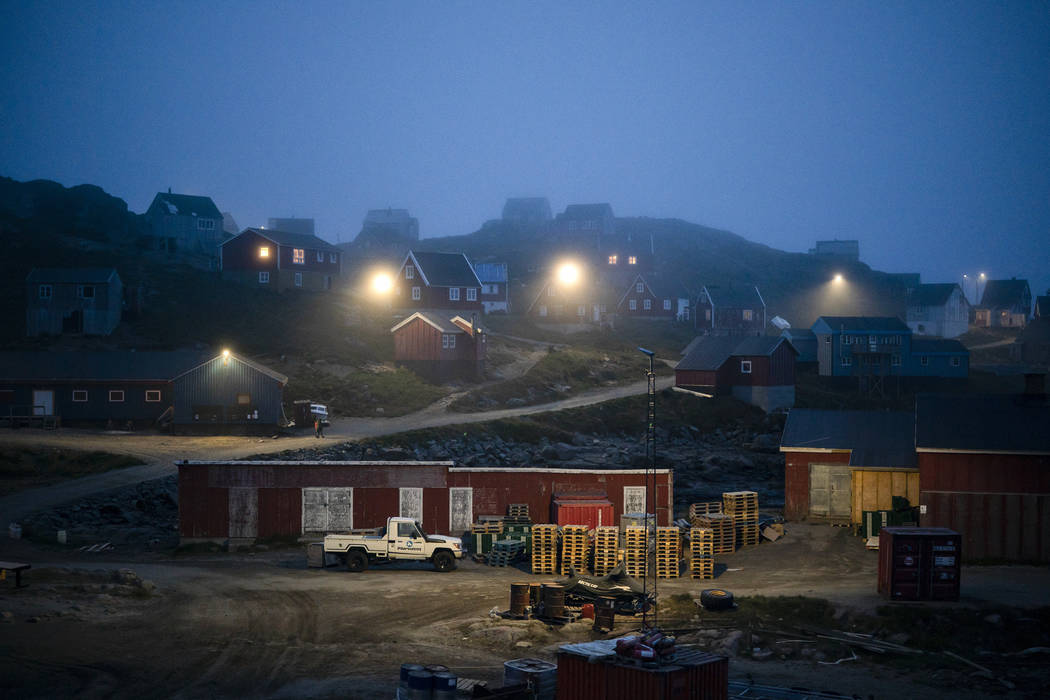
[
  {"x": 838, "y": 278},
  {"x": 568, "y": 273},
  {"x": 650, "y": 488},
  {"x": 382, "y": 283}
]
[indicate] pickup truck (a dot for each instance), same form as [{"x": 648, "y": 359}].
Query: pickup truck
[{"x": 401, "y": 539}]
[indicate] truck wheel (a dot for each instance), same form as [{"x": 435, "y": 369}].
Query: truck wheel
[
  {"x": 443, "y": 561},
  {"x": 356, "y": 561},
  {"x": 716, "y": 599}
]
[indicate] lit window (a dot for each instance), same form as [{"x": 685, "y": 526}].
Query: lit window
[
  {"x": 320, "y": 256},
  {"x": 748, "y": 314},
  {"x": 417, "y": 293},
  {"x": 632, "y": 304},
  {"x": 264, "y": 278},
  {"x": 116, "y": 395},
  {"x": 745, "y": 367},
  {"x": 647, "y": 304},
  {"x": 640, "y": 287},
  {"x": 543, "y": 310},
  {"x": 410, "y": 272},
  {"x": 152, "y": 395},
  {"x": 244, "y": 399},
  {"x": 86, "y": 291},
  {"x": 612, "y": 259},
  {"x": 79, "y": 395},
  {"x": 632, "y": 260},
  {"x": 264, "y": 251},
  {"x": 453, "y": 293},
  {"x": 472, "y": 294},
  {"x": 667, "y": 304},
  {"x": 299, "y": 256},
  {"x": 298, "y": 279},
  {"x": 45, "y": 291}
]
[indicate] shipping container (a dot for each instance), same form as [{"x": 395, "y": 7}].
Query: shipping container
[
  {"x": 693, "y": 675},
  {"x": 919, "y": 563},
  {"x": 592, "y": 513}
]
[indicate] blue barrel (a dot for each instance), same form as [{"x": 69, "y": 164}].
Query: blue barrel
[
  {"x": 444, "y": 686},
  {"x": 403, "y": 682},
  {"x": 420, "y": 685}
]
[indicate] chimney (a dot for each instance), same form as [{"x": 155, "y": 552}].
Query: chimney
[
  {"x": 1035, "y": 383},
  {"x": 169, "y": 190}
]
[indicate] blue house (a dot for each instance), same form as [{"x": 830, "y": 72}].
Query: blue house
[{"x": 851, "y": 346}]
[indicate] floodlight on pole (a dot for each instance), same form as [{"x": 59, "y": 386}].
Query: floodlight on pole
[
  {"x": 838, "y": 278},
  {"x": 382, "y": 283},
  {"x": 568, "y": 273},
  {"x": 650, "y": 489}
]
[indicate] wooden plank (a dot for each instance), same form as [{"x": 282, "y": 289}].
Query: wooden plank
[
  {"x": 857, "y": 514},
  {"x": 870, "y": 486},
  {"x": 244, "y": 512},
  {"x": 913, "y": 488},
  {"x": 884, "y": 481},
  {"x": 899, "y": 486}
]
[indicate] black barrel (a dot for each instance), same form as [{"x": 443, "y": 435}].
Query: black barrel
[
  {"x": 604, "y": 613},
  {"x": 519, "y": 598},
  {"x": 444, "y": 686},
  {"x": 405, "y": 670},
  {"x": 436, "y": 668},
  {"x": 420, "y": 685},
  {"x": 553, "y": 600}
]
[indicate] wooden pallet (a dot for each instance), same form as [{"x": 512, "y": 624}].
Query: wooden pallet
[
  {"x": 486, "y": 528},
  {"x": 701, "y": 547},
  {"x": 723, "y": 531},
  {"x": 668, "y": 552},
  {"x": 575, "y": 548},
  {"x": 606, "y": 544},
  {"x": 704, "y": 508},
  {"x": 518, "y": 510}
]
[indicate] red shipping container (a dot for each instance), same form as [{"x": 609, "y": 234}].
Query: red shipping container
[
  {"x": 919, "y": 563},
  {"x": 693, "y": 675},
  {"x": 592, "y": 513}
]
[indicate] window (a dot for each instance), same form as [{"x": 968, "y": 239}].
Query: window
[
  {"x": 448, "y": 341},
  {"x": 827, "y": 338},
  {"x": 79, "y": 395},
  {"x": 410, "y": 272},
  {"x": 847, "y": 339},
  {"x": 472, "y": 294},
  {"x": 550, "y": 291},
  {"x": 116, "y": 395},
  {"x": 632, "y": 260},
  {"x": 331, "y": 258},
  {"x": 264, "y": 251},
  {"x": 298, "y": 279},
  {"x": 264, "y": 278},
  {"x": 847, "y": 360},
  {"x": 956, "y": 361},
  {"x": 45, "y": 291},
  {"x": 244, "y": 399},
  {"x": 612, "y": 259},
  {"x": 707, "y": 315},
  {"x": 924, "y": 361},
  {"x": 320, "y": 256},
  {"x": 640, "y": 287},
  {"x": 206, "y": 224},
  {"x": 745, "y": 367},
  {"x": 86, "y": 291},
  {"x": 633, "y": 304},
  {"x": 647, "y": 304},
  {"x": 872, "y": 340},
  {"x": 152, "y": 395},
  {"x": 543, "y": 309},
  {"x": 895, "y": 360},
  {"x": 417, "y": 293},
  {"x": 667, "y": 304},
  {"x": 748, "y": 314},
  {"x": 453, "y": 293},
  {"x": 581, "y": 310},
  {"x": 299, "y": 256},
  {"x": 406, "y": 530}
]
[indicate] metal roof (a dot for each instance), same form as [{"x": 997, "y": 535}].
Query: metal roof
[
  {"x": 711, "y": 351},
  {"x": 112, "y": 365},
  {"x": 440, "y": 323},
  {"x": 290, "y": 240},
  {"x": 188, "y": 205},
  {"x": 808, "y": 428},
  {"x": 999, "y": 294},
  {"x": 866, "y": 324},
  {"x": 444, "y": 269},
  {"x": 734, "y": 295},
  {"x": 244, "y": 361},
  {"x": 71, "y": 275},
  {"x": 932, "y": 294},
  {"x": 1014, "y": 423},
  {"x": 491, "y": 272}
]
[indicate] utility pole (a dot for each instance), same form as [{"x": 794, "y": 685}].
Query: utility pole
[{"x": 650, "y": 491}]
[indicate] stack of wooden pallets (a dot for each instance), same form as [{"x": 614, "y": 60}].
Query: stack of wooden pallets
[
  {"x": 697, "y": 510},
  {"x": 723, "y": 531},
  {"x": 482, "y": 535},
  {"x": 505, "y": 552},
  {"x": 606, "y": 544},
  {"x": 518, "y": 510},
  {"x": 544, "y": 549},
  {"x": 636, "y": 550},
  {"x": 574, "y": 548},
  {"x": 701, "y": 546},
  {"x": 668, "y": 552},
  {"x": 743, "y": 506}
]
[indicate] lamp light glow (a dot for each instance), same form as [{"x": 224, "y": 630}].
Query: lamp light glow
[
  {"x": 568, "y": 273},
  {"x": 382, "y": 283}
]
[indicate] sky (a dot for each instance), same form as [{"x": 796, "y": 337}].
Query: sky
[{"x": 922, "y": 129}]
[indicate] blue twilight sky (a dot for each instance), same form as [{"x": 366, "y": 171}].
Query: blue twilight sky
[{"x": 920, "y": 128}]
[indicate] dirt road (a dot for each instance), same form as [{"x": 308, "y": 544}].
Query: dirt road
[{"x": 158, "y": 452}]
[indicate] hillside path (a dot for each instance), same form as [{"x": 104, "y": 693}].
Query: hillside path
[{"x": 159, "y": 452}]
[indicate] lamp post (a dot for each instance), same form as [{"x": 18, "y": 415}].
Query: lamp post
[{"x": 650, "y": 489}]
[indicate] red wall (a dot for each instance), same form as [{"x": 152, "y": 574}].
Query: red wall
[
  {"x": 796, "y": 479},
  {"x": 242, "y": 253},
  {"x": 203, "y": 511},
  {"x": 310, "y": 261},
  {"x": 418, "y": 340}
]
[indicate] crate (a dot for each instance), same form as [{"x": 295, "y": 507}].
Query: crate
[
  {"x": 701, "y": 547},
  {"x": 606, "y": 544},
  {"x": 575, "y": 546},
  {"x": 491, "y": 528},
  {"x": 723, "y": 531},
  {"x": 704, "y": 508}
]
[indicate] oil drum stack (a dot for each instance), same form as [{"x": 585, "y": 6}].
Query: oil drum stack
[
  {"x": 668, "y": 552},
  {"x": 743, "y": 507},
  {"x": 636, "y": 550},
  {"x": 701, "y": 546},
  {"x": 606, "y": 542},
  {"x": 426, "y": 683},
  {"x": 574, "y": 548},
  {"x": 544, "y": 549}
]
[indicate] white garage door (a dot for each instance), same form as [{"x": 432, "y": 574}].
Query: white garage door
[{"x": 328, "y": 510}]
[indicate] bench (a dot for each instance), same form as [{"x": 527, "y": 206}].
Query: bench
[{"x": 16, "y": 567}]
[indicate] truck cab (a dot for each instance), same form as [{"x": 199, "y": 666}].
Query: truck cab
[{"x": 401, "y": 539}]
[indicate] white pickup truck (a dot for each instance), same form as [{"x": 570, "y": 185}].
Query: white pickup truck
[{"x": 402, "y": 538}]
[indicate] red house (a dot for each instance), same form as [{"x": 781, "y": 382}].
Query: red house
[
  {"x": 279, "y": 260},
  {"x": 437, "y": 281},
  {"x": 759, "y": 370},
  {"x": 436, "y": 347},
  {"x": 738, "y": 310},
  {"x": 243, "y": 500}
]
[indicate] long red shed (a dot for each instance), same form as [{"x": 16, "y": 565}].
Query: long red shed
[{"x": 244, "y": 500}]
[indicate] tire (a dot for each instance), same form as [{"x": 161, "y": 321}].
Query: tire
[
  {"x": 443, "y": 561},
  {"x": 716, "y": 599},
  {"x": 356, "y": 561}
]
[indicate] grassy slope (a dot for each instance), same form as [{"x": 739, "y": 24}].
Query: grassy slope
[{"x": 22, "y": 468}]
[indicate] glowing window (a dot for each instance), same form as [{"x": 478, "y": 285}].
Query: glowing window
[
  {"x": 632, "y": 260},
  {"x": 299, "y": 256},
  {"x": 612, "y": 259},
  {"x": 748, "y": 314},
  {"x": 264, "y": 251}
]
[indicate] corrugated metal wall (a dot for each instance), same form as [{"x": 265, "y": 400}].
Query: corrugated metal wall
[{"x": 218, "y": 383}]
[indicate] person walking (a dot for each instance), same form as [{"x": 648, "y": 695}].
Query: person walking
[{"x": 318, "y": 432}]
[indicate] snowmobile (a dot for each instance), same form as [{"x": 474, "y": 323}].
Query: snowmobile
[{"x": 628, "y": 592}]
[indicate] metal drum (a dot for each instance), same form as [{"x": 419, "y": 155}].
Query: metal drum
[
  {"x": 553, "y": 600},
  {"x": 420, "y": 685},
  {"x": 403, "y": 682},
  {"x": 534, "y": 595},
  {"x": 444, "y": 686},
  {"x": 604, "y": 613},
  {"x": 519, "y": 598},
  {"x": 541, "y": 677},
  {"x": 436, "y": 668}
]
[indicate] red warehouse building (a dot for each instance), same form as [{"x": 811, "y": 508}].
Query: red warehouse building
[
  {"x": 759, "y": 370},
  {"x": 244, "y": 500}
]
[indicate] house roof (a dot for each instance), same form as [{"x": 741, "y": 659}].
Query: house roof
[
  {"x": 709, "y": 352},
  {"x": 806, "y": 428},
  {"x": 867, "y": 324},
  {"x": 289, "y": 240},
  {"x": 982, "y": 423},
  {"x": 526, "y": 206},
  {"x": 491, "y": 272},
  {"x": 237, "y": 358},
  {"x": 1005, "y": 293},
  {"x": 586, "y": 212},
  {"x": 932, "y": 294},
  {"x": 903, "y": 457},
  {"x": 188, "y": 205},
  {"x": 113, "y": 365},
  {"x": 934, "y": 346},
  {"x": 804, "y": 341},
  {"x": 444, "y": 269},
  {"x": 441, "y": 323},
  {"x": 71, "y": 275},
  {"x": 735, "y": 295}
]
